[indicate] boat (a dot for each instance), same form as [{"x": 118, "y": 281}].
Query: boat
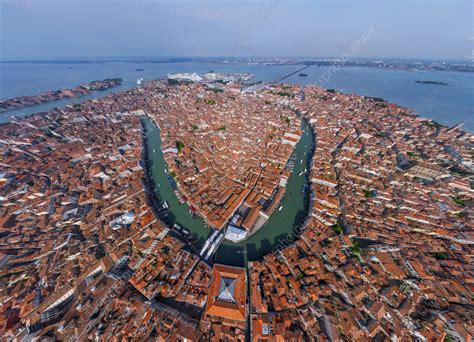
[
  {"x": 154, "y": 151},
  {"x": 303, "y": 75},
  {"x": 139, "y": 69},
  {"x": 280, "y": 208},
  {"x": 300, "y": 173},
  {"x": 165, "y": 205}
]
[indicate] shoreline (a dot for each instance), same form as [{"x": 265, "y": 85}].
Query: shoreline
[
  {"x": 9, "y": 117},
  {"x": 50, "y": 96}
]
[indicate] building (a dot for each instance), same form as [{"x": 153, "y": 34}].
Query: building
[{"x": 226, "y": 301}]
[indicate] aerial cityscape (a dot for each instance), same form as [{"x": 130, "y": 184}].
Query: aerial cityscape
[{"x": 245, "y": 198}]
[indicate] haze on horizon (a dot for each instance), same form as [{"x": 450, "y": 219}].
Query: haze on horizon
[{"x": 50, "y": 29}]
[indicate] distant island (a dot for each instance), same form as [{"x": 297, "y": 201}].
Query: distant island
[
  {"x": 54, "y": 95},
  {"x": 431, "y": 82},
  {"x": 402, "y": 64}
]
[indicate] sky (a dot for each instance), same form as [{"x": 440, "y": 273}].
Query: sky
[{"x": 59, "y": 29}]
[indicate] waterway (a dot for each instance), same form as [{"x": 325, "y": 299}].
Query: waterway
[
  {"x": 280, "y": 226},
  {"x": 447, "y": 104}
]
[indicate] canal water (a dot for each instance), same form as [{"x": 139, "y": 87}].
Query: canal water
[{"x": 280, "y": 226}]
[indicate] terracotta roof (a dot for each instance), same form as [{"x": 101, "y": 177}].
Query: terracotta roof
[{"x": 227, "y": 294}]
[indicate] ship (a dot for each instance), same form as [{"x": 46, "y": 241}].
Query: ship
[
  {"x": 139, "y": 69},
  {"x": 303, "y": 75}
]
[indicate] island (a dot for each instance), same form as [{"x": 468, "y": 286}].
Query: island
[
  {"x": 431, "y": 82},
  {"x": 54, "y": 95},
  {"x": 387, "y": 237}
]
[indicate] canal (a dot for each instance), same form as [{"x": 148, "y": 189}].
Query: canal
[{"x": 280, "y": 225}]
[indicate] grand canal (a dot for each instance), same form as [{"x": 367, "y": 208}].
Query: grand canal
[{"x": 281, "y": 225}]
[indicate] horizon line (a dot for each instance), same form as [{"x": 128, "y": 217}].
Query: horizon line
[{"x": 135, "y": 58}]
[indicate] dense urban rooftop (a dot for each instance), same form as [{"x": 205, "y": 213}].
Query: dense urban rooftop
[{"x": 385, "y": 252}]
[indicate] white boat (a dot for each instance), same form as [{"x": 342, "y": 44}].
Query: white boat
[
  {"x": 154, "y": 151},
  {"x": 280, "y": 208},
  {"x": 165, "y": 205},
  {"x": 300, "y": 173}
]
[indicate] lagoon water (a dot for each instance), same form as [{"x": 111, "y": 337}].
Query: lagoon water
[{"x": 448, "y": 105}]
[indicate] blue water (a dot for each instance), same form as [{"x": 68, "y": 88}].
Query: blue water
[{"x": 446, "y": 104}]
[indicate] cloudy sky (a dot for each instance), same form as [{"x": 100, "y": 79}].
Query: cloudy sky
[{"x": 49, "y": 29}]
